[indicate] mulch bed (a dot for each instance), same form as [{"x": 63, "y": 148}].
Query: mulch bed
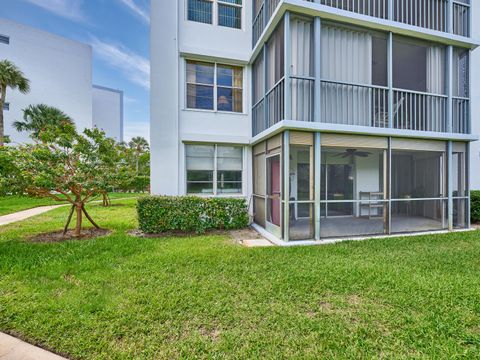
[
  {"x": 57, "y": 236},
  {"x": 236, "y": 235},
  {"x": 180, "y": 234}
]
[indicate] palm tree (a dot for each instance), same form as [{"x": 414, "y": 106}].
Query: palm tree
[
  {"x": 10, "y": 77},
  {"x": 139, "y": 145},
  {"x": 38, "y": 117}
]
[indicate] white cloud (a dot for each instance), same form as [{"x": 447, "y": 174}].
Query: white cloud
[
  {"x": 139, "y": 11},
  {"x": 135, "y": 67},
  {"x": 69, "y": 9},
  {"x": 131, "y": 130}
]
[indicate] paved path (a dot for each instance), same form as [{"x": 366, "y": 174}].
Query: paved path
[
  {"x": 14, "y": 349},
  {"x": 25, "y": 214}
]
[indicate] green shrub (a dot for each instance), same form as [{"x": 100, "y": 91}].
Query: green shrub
[
  {"x": 159, "y": 214},
  {"x": 475, "y": 206}
]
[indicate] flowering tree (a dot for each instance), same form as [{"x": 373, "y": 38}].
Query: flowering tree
[{"x": 68, "y": 167}]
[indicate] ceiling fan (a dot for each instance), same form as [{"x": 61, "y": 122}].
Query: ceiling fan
[{"x": 352, "y": 153}]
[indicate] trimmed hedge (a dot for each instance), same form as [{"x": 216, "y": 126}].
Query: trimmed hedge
[
  {"x": 475, "y": 206},
  {"x": 160, "y": 214}
]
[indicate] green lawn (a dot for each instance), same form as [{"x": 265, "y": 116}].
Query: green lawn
[
  {"x": 11, "y": 204},
  {"x": 122, "y": 297}
]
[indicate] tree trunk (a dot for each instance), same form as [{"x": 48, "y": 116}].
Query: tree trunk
[
  {"x": 89, "y": 217},
  {"x": 106, "y": 199},
  {"x": 68, "y": 220},
  {"x": 2, "y": 125},
  {"x": 78, "y": 226}
]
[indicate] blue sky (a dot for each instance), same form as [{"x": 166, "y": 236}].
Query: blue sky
[{"x": 118, "y": 31}]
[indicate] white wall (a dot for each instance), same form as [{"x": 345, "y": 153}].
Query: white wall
[
  {"x": 475, "y": 100},
  {"x": 108, "y": 111},
  {"x": 59, "y": 70},
  {"x": 173, "y": 40}
]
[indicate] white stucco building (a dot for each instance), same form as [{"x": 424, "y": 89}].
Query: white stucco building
[
  {"x": 333, "y": 118},
  {"x": 60, "y": 74}
]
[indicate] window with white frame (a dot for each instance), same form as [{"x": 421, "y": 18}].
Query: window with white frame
[
  {"x": 215, "y": 87},
  {"x": 6, "y": 106},
  {"x": 228, "y": 12},
  {"x": 4, "y": 39},
  {"x": 214, "y": 169}
]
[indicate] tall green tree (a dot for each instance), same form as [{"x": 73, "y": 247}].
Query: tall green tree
[
  {"x": 11, "y": 77},
  {"x": 68, "y": 167},
  {"x": 36, "y": 118},
  {"x": 139, "y": 145}
]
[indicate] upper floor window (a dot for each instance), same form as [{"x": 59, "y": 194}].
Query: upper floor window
[
  {"x": 6, "y": 106},
  {"x": 4, "y": 39},
  {"x": 227, "y": 12},
  {"x": 212, "y": 86}
]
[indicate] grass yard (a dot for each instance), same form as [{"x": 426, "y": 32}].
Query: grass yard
[
  {"x": 121, "y": 297},
  {"x": 11, "y": 204}
]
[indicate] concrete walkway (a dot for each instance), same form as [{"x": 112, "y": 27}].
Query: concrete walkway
[
  {"x": 14, "y": 349},
  {"x": 25, "y": 214}
]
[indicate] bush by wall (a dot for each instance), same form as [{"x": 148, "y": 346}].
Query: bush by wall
[
  {"x": 475, "y": 206},
  {"x": 159, "y": 214}
]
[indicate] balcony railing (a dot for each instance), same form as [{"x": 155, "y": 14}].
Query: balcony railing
[
  {"x": 376, "y": 8},
  {"x": 354, "y": 104},
  {"x": 461, "y": 115},
  {"x": 429, "y": 14},
  {"x": 302, "y": 98},
  {"x": 270, "y": 110},
  {"x": 419, "y": 111},
  {"x": 461, "y": 19},
  {"x": 258, "y": 24},
  {"x": 362, "y": 105}
]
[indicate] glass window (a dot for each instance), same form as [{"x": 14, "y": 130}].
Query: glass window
[
  {"x": 213, "y": 169},
  {"x": 201, "y": 84},
  {"x": 229, "y": 88},
  {"x": 200, "y": 11},
  {"x": 229, "y": 170},
  {"x": 200, "y": 168},
  {"x": 230, "y": 13}
]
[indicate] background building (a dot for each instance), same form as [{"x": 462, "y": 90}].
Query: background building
[
  {"x": 333, "y": 118},
  {"x": 60, "y": 74}
]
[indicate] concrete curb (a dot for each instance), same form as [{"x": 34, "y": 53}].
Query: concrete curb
[{"x": 12, "y": 348}]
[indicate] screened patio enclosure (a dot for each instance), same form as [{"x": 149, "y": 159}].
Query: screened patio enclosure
[{"x": 319, "y": 185}]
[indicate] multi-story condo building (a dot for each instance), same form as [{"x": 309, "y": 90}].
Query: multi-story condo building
[
  {"x": 334, "y": 118},
  {"x": 60, "y": 74}
]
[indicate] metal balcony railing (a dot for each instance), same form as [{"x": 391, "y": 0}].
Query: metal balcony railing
[
  {"x": 461, "y": 115},
  {"x": 376, "y": 8},
  {"x": 275, "y": 102},
  {"x": 419, "y": 111},
  {"x": 461, "y": 19},
  {"x": 302, "y": 90},
  {"x": 354, "y": 104},
  {"x": 362, "y": 105},
  {"x": 429, "y": 14}
]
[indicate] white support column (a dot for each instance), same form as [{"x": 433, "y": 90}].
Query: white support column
[
  {"x": 317, "y": 70},
  {"x": 468, "y": 182},
  {"x": 390, "y": 9},
  {"x": 389, "y": 182},
  {"x": 390, "y": 78},
  {"x": 450, "y": 184},
  {"x": 286, "y": 186},
  {"x": 288, "y": 62},
  {"x": 265, "y": 87},
  {"x": 317, "y": 179},
  {"x": 450, "y": 16},
  {"x": 449, "y": 76}
]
